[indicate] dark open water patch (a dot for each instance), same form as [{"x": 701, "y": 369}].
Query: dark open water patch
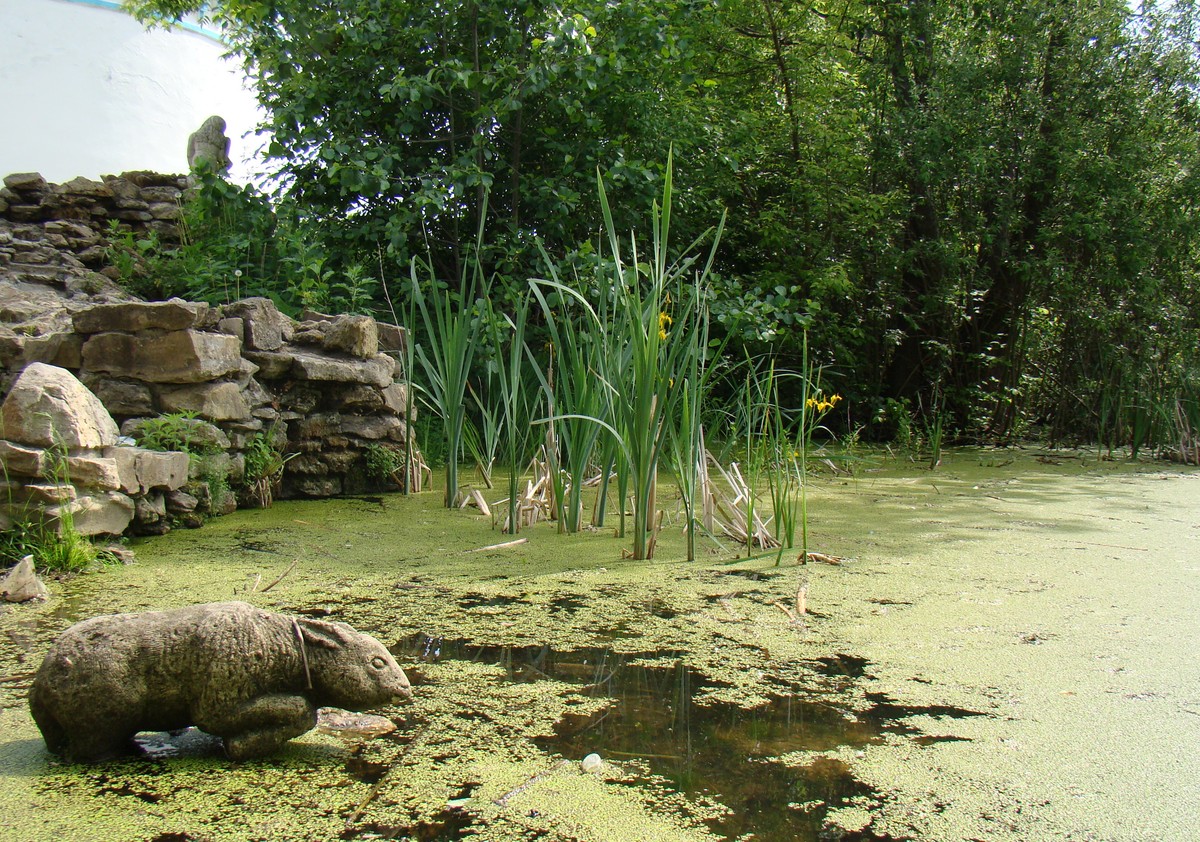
[
  {"x": 705, "y": 748},
  {"x": 447, "y": 825},
  {"x": 477, "y": 600},
  {"x": 836, "y": 666}
]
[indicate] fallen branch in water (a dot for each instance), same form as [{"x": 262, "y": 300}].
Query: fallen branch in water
[
  {"x": 282, "y": 576},
  {"x": 370, "y": 796},
  {"x": 824, "y": 558},
  {"x": 502, "y": 801},
  {"x": 502, "y": 546},
  {"x": 793, "y": 617}
]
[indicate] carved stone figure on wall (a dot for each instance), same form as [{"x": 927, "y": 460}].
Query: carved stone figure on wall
[{"x": 208, "y": 146}]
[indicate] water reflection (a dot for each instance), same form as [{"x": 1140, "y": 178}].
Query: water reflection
[{"x": 660, "y": 721}]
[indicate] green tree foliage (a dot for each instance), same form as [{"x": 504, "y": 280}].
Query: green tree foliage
[
  {"x": 984, "y": 207},
  {"x": 391, "y": 120}
]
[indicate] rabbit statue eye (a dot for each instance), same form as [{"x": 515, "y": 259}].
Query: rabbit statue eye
[{"x": 378, "y": 662}]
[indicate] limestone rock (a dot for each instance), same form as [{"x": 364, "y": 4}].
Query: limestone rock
[
  {"x": 23, "y": 182},
  {"x": 22, "y": 461},
  {"x": 106, "y": 513},
  {"x": 395, "y": 397},
  {"x": 370, "y": 426},
  {"x": 21, "y": 584},
  {"x": 49, "y": 407},
  {"x": 93, "y": 472},
  {"x": 393, "y": 339},
  {"x": 234, "y": 327},
  {"x": 271, "y": 365},
  {"x": 359, "y": 398},
  {"x": 357, "y": 336},
  {"x": 221, "y": 401},
  {"x": 81, "y": 186},
  {"x": 58, "y": 349},
  {"x": 263, "y": 324},
  {"x": 44, "y": 493},
  {"x": 175, "y": 314},
  {"x": 122, "y": 398},
  {"x": 151, "y": 508},
  {"x": 179, "y": 356},
  {"x": 143, "y": 470},
  {"x": 180, "y": 502},
  {"x": 376, "y": 371}
]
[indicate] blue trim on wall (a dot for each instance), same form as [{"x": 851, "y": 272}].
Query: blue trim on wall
[{"x": 117, "y": 6}]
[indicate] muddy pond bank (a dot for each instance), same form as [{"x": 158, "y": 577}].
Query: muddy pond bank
[{"x": 1007, "y": 653}]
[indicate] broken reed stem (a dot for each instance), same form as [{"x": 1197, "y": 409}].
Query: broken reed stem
[
  {"x": 502, "y": 801},
  {"x": 502, "y": 546},
  {"x": 370, "y": 796},
  {"x": 282, "y": 575}
]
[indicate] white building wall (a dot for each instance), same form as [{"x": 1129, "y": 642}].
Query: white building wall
[{"x": 86, "y": 90}]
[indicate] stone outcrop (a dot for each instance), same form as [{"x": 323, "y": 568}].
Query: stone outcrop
[
  {"x": 48, "y": 407},
  {"x": 54, "y": 259},
  {"x": 63, "y": 461},
  {"x": 323, "y": 387}
]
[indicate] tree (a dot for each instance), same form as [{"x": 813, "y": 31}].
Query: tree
[{"x": 391, "y": 119}]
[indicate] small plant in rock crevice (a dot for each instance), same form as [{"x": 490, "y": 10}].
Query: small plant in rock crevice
[
  {"x": 182, "y": 431},
  {"x": 53, "y": 541},
  {"x": 264, "y": 464},
  {"x": 392, "y": 465}
]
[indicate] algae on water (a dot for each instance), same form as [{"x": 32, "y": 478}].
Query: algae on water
[{"x": 1056, "y": 601}]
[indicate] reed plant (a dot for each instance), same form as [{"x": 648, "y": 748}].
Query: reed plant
[
  {"x": 516, "y": 410},
  {"x": 638, "y": 344},
  {"x": 786, "y": 463},
  {"x": 657, "y": 349},
  {"x": 572, "y": 381},
  {"x": 481, "y": 438},
  {"x": 687, "y": 435},
  {"x": 452, "y": 335}
]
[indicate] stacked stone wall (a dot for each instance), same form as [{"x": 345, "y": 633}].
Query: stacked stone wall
[
  {"x": 51, "y": 231},
  {"x": 324, "y": 387}
]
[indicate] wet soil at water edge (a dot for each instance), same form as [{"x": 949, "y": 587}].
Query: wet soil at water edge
[{"x": 1005, "y": 652}]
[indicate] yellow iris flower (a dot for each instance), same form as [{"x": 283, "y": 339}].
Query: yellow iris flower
[
  {"x": 664, "y": 322},
  {"x": 821, "y": 404}
]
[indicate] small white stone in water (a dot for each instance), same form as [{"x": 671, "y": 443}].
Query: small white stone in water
[{"x": 592, "y": 763}]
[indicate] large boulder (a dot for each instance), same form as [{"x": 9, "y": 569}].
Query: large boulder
[
  {"x": 178, "y": 356},
  {"x": 175, "y": 314},
  {"x": 49, "y": 407},
  {"x": 220, "y": 401}
]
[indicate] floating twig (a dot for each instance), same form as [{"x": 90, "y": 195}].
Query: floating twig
[
  {"x": 282, "y": 576},
  {"x": 502, "y": 546},
  {"x": 370, "y": 796},
  {"x": 502, "y": 801}
]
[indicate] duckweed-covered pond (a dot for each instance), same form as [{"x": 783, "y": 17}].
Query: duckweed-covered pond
[{"x": 1006, "y": 653}]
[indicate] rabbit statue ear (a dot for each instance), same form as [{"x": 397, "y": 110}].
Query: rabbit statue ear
[{"x": 322, "y": 634}]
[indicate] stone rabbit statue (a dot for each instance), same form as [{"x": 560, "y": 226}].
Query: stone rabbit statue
[{"x": 251, "y": 677}]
